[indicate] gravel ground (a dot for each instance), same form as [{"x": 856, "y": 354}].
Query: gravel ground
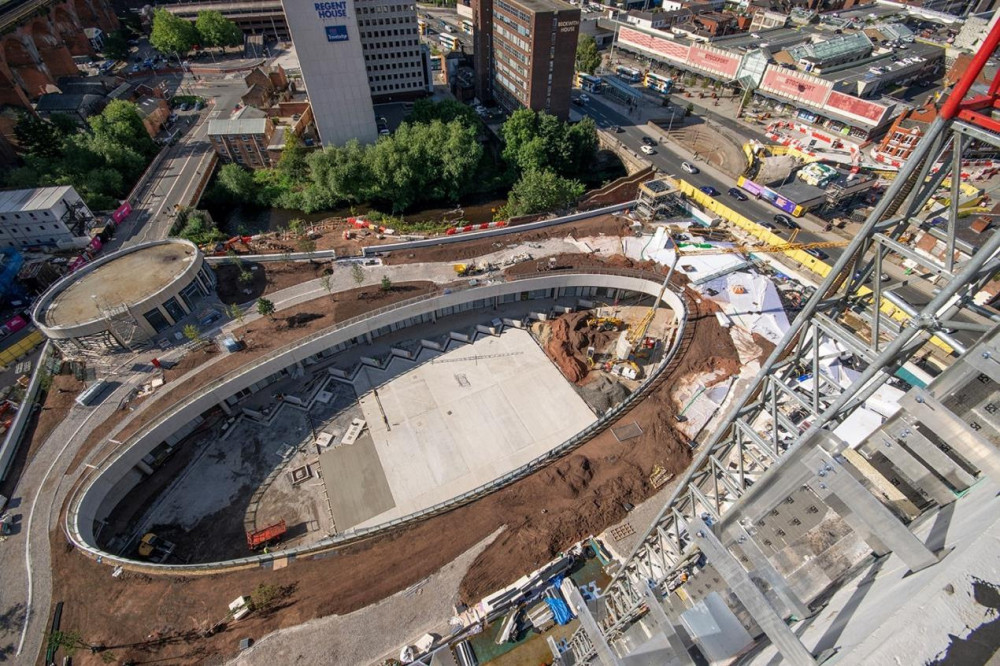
[{"x": 374, "y": 632}]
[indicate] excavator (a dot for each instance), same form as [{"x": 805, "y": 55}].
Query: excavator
[{"x": 605, "y": 323}]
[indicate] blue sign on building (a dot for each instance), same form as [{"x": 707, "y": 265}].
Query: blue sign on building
[{"x": 336, "y": 33}]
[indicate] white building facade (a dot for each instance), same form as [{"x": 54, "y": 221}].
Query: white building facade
[
  {"x": 390, "y": 41},
  {"x": 329, "y": 48},
  {"x": 43, "y": 218}
]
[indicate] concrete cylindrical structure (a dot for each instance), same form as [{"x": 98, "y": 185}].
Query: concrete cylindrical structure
[{"x": 125, "y": 299}]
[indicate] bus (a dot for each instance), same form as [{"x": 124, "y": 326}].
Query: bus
[
  {"x": 659, "y": 83},
  {"x": 588, "y": 82},
  {"x": 422, "y": 26},
  {"x": 629, "y": 74},
  {"x": 467, "y": 26},
  {"x": 450, "y": 42}
]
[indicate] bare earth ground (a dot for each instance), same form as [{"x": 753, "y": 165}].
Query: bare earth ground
[{"x": 160, "y": 618}]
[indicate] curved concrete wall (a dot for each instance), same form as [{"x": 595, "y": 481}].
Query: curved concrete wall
[
  {"x": 100, "y": 325},
  {"x": 116, "y": 475}
]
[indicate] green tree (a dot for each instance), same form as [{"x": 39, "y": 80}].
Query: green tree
[
  {"x": 68, "y": 641},
  {"x": 292, "y": 165},
  {"x": 38, "y": 137},
  {"x": 237, "y": 183},
  {"x": 537, "y": 141},
  {"x": 214, "y": 29},
  {"x": 427, "y": 110},
  {"x": 192, "y": 333},
  {"x": 357, "y": 274},
  {"x": 588, "y": 59},
  {"x": 245, "y": 277},
  {"x": 265, "y": 308},
  {"x": 297, "y": 226},
  {"x": 385, "y": 284},
  {"x": 327, "y": 283},
  {"x": 235, "y": 312},
  {"x": 307, "y": 245},
  {"x": 116, "y": 45},
  {"x": 541, "y": 191},
  {"x": 119, "y": 128},
  {"x": 172, "y": 34},
  {"x": 265, "y": 597}
]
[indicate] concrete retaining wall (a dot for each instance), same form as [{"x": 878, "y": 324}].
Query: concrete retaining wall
[{"x": 90, "y": 503}]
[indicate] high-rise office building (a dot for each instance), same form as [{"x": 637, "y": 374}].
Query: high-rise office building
[
  {"x": 353, "y": 52},
  {"x": 524, "y": 53}
]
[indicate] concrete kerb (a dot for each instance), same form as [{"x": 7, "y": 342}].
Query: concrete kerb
[{"x": 84, "y": 506}]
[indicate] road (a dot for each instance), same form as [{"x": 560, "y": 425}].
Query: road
[{"x": 668, "y": 158}]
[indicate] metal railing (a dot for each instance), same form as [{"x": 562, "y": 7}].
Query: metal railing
[
  {"x": 351, "y": 536},
  {"x": 20, "y": 423}
]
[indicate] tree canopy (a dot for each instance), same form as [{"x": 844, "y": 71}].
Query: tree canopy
[
  {"x": 172, "y": 34},
  {"x": 101, "y": 162},
  {"x": 115, "y": 45},
  {"x": 536, "y": 141},
  {"x": 426, "y": 111},
  {"x": 214, "y": 29},
  {"x": 542, "y": 190},
  {"x": 588, "y": 58}
]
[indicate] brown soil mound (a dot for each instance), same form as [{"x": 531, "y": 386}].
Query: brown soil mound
[{"x": 568, "y": 338}]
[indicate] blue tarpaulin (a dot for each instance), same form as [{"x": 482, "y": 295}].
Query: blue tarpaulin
[{"x": 560, "y": 611}]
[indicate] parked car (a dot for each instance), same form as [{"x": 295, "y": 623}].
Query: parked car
[
  {"x": 819, "y": 254},
  {"x": 648, "y": 141},
  {"x": 709, "y": 190},
  {"x": 578, "y": 101},
  {"x": 737, "y": 194},
  {"x": 690, "y": 168},
  {"x": 584, "y": 98},
  {"x": 183, "y": 107},
  {"x": 648, "y": 150},
  {"x": 616, "y": 129},
  {"x": 786, "y": 221},
  {"x": 768, "y": 225}
]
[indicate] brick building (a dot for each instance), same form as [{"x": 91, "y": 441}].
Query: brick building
[
  {"x": 243, "y": 139},
  {"x": 905, "y": 134},
  {"x": 525, "y": 52}
]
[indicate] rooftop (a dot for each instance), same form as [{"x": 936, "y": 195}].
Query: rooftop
[
  {"x": 237, "y": 126},
  {"x": 40, "y": 198},
  {"x": 537, "y": 6},
  {"x": 131, "y": 276}
]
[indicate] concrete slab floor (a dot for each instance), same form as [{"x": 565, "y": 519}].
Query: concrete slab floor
[{"x": 466, "y": 418}]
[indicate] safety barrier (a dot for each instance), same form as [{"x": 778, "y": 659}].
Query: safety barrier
[
  {"x": 814, "y": 264},
  {"x": 630, "y": 279},
  {"x": 500, "y": 231}
]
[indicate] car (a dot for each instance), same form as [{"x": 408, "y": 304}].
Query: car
[
  {"x": 819, "y": 254},
  {"x": 616, "y": 129},
  {"x": 578, "y": 101},
  {"x": 584, "y": 98},
  {"x": 648, "y": 141},
  {"x": 384, "y": 132},
  {"x": 690, "y": 168},
  {"x": 768, "y": 225},
  {"x": 737, "y": 194},
  {"x": 709, "y": 190},
  {"x": 199, "y": 105},
  {"x": 786, "y": 221},
  {"x": 648, "y": 150},
  {"x": 183, "y": 107}
]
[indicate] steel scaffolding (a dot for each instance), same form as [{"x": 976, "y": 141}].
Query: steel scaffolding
[{"x": 776, "y": 444}]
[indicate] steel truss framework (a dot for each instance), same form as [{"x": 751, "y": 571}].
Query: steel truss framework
[{"x": 760, "y": 455}]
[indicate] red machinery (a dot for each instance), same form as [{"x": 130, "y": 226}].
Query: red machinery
[{"x": 269, "y": 534}]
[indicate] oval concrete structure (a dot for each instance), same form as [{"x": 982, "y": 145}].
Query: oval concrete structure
[
  {"x": 120, "y": 472},
  {"x": 125, "y": 298}
]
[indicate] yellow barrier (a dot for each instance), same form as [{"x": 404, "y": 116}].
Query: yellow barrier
[
  {"x": 764, "y": 234},
  {"x": 23, "y": 346}
]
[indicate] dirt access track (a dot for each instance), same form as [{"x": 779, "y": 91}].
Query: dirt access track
[{"x": 164, "y": 618}]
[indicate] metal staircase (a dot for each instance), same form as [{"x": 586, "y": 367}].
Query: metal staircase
[{"x": 775, "y": 450}]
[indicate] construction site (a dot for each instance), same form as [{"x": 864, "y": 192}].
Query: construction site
[{"x": 373, "y": 433}]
